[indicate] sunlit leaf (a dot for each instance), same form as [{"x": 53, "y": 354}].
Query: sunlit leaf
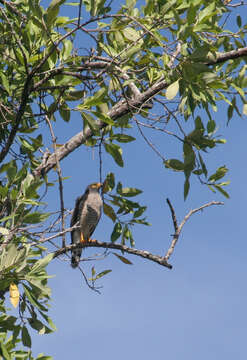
[
  {"x": 172, "y": 90},
  {"x": 14, "y": 294},
  {"x": 129, "y": 191}
]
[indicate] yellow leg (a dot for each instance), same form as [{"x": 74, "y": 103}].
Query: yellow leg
[{"x": 82, "y": 238}]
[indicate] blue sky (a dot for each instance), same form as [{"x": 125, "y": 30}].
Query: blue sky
[{"x": 194, "y": 311}]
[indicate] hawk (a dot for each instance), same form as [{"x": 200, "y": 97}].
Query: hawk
[{"x": 87, "y": 212}]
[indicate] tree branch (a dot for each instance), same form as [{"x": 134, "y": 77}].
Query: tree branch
[{"x": 142, "y": 253}]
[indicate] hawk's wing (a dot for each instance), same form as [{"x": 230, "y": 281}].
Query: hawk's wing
[
  {"x": 75, "y": 234},
  {"x": 80, "y": 201}
]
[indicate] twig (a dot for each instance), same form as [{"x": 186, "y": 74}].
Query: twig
[
  {"x": 59, "y": 173},
  {"x": 148, "y": 141},
  {"x": 79, "y": 13},
  {"x": 178, "y": 229}
]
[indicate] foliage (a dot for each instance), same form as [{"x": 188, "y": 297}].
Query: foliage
[{"x": 174, "y": 58}]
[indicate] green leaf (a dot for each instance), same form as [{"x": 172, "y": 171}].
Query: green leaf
[
  {"x": 103, "y": 117},
  {"x": 108, "y": 210},
  {"x": 220, "y": 173},
  {"x": 35, "y": 217},
  {"x": 186, "y": 188},
  {"x": 11, "y": 172},
  {"x": 204, "y": 169},
  {"x": 117, "y": 231},
  {"x": 207, "y": 11},
  {"x": 109, "y": 183},
  {"x": 64, "y": 111},
  {"x": 239, "y": 21},
  {"x": 67, "y": 48},
  {"x": 5, "y": 353},
  {"x": 222, "y": 191},
  {"x": 90, "y": 121},
  {"x": 172, "y": 90},
  {"x": 41, "y": 264},
  {"x": 123, "y": 259},
  {"x": 53, "y": 10},
  {"x": 129, "y": 191},
  {"x": 245, "y": 109},
  {"x": 211, "y": 126},
  {"x": 139, "y": 212},
  {"x": 98, "y": 276},
  {"x": 174, "y": 164},
  {"x": 123, "y": 138},
  {"x": 131, "y": 34},
  {"x": 25, "y": 337},
  {"x": 94, "y": 100},
  {"x": 5, "y": 82},
  {"x": 31, "y": 298},
  {"x": 116, "y": 152}
]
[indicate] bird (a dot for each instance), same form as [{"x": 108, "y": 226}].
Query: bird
[{"x": 87, "y": 211}]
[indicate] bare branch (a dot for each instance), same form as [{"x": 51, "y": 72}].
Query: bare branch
[{"x": 178, "y": 229}]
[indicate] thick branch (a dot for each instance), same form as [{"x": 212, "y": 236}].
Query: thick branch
[
  {"x": 142, "y": 253},
  {"x": 121, "y": 109}
]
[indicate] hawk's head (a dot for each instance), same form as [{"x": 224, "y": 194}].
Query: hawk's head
[{"x": 94, "y": 187}]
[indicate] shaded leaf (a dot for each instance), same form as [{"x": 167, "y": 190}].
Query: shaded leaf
[
  {"x": 186, "y": 188},
  {"x": 35, "y": 217},
  {"x": 108, "y": 210},
  {"x": 109, "y": 183},
  {"x": 123, "y": 138},
  {"x": 220, "y": 173},
  {"x": 117, "y": 231},
  {"x": 174, "y": 164},
  {"x": 116, "y": 152},
  {"x": 25, "y": 337}
]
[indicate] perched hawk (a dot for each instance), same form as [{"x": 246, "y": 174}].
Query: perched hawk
[{"x": 87, "y": 212}]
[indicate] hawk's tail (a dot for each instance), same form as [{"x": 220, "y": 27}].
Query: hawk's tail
[{"x": 75, "y": 259}]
